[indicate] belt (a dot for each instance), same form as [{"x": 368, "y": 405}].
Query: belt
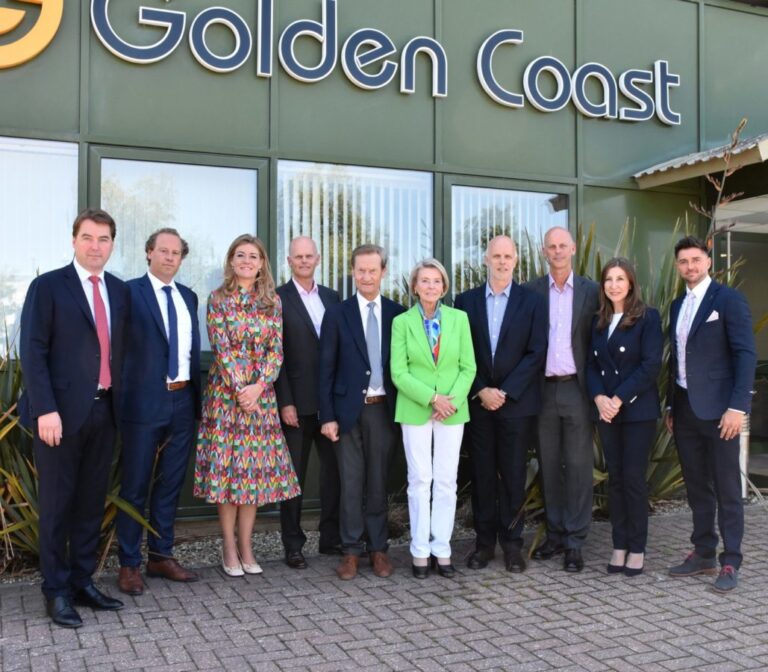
[
  {"x": 102, "y": 393},
  {"x": 378, "y": 399},
  {"x": 560, "y": 379},
  {"x": 179, "y": 385}
]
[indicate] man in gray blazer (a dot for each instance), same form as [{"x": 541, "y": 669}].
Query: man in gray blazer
[{"x": 565, "y": 428}]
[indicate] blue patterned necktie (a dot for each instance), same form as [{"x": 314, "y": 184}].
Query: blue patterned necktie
[
  {"x": 173, "y": 335},
  {"x": 374, "y": 348}
]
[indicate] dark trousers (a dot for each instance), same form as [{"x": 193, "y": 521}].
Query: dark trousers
[
  {"x": 713, "y": 480},
  {"x": 299, "y": 440},
  {"x": 364, "y": 455},
  {"x": 498, "y": 462},
  {"x": 566, "y": 459},
  {"x": 170, "y": 443},
  {"x": 626, "y": 446},
  {"x": 72, "y": 487}
]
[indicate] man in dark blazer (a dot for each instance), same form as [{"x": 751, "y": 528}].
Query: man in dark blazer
[
  {"x": 509, "y": 334},
  {"x": 564, "y": 427},
  {"x": 711, "y": 373},
  {"x": 357, "y": 409},
  {"x": 161, "y": 400},
  {"x": 304, "y": 304},
  {"x": 71, "y": 347}
]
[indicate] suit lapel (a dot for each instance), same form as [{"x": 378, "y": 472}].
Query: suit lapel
[
  {"x": 579, "y": 296},
  {"x": 515, "y": 295},
  {"x": 298, "y": 305},
  {"x": 416, "y": 327},
  {"x": 148, "y": 294},
  {"x": 351, "y": 312},
  {"x": 387, "y": 315},
  {"x": 705, "y": 308},
  {"x": 72, "y": 281},
  {"x": 115, "y": 300}
]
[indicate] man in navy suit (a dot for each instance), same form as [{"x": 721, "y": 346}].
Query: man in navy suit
[
  {"x": 304, "y": 304},
  {"x": 711, "y": 374},
  {"x": 161, "y": 401},
  {"x": 509, "y": 334},
  {"x": 357, "y": 408},
  {"x": 72, "y": 336}
]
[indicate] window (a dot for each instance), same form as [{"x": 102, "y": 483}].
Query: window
[
  {"x": 38, "y": 203},
  {"x": 478, "y": 214},
  {"x": 341, "y": 207},
  {"x": 209, "y": 206}
]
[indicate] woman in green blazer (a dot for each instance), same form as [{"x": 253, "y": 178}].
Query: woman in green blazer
[{"x": 433, "y": 365}]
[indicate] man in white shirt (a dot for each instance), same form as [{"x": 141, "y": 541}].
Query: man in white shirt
[
  {"x": 304, "y": 303},
  {"x": 162, "y": 400}
]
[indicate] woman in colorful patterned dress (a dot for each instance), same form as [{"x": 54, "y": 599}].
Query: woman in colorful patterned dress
[{"x": 242, "y": 459}]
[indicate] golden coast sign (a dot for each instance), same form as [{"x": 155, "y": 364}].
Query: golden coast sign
[{"x": 35, "y": 40}]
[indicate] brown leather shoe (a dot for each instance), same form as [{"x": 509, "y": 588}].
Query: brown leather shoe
[
  {"x": 129, "y": 581},
  {"x": 170, "y": 569},
  {"x": 347, "y": 568},
  {"x": 382, "y": 567}
]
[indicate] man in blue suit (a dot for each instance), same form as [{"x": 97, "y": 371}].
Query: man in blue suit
[
  {"x": 161, "y": 401},
  {"x": 711, "y": 374},
  {"x": 357, "y": 409},
  {"x": 71, "y": 347},
  {"x": 509, "y": 334}
]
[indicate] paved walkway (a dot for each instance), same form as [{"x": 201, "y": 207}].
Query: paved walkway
[{"x": 544, "y": 619}]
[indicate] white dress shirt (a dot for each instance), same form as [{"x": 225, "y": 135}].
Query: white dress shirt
[
  {"x": 363, "y": 304},
  {"x": 84, "y": 276},
  {"x": 313, "y": 303},
  {"x": 183, "y": 321}
]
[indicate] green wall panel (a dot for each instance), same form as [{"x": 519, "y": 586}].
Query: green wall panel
[
  {"x": 477, "y": 132},
  {"x": 624, "y": 34},
  {"x": 41, "y": 97},
  {"x": 333, "y": 117},
  {"x": 735, "y": 62},
  {"x": 176, "y": 102},
  {"x": 653, "y": 213}
]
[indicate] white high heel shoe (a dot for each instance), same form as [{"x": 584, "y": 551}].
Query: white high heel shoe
[
  {"x": 253, "y": 568},
  {"x": 237, "y": 570}
]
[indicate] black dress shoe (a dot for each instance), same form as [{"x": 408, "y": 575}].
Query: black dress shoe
[
  {"x": 514, "y": 561},
  {"x": 62, "y": 612},
  {"x": 336, "y": 549},
  {"x": 92, "y": 597},
  {"x": 295, "y": 560},
  {"x": 480, "y": 558},
  {"x": 420, "y": 571},
  {"x": 547, "y": 550},
  {"x": 573, "y": 562},
  {"x": 447, "y": 570}
]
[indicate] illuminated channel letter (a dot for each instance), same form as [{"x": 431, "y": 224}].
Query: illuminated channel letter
[
  {"x": 562, "y": 78},
  {"x": 173, "y": 22},
  {"x": 609, "y": 105},
  {"x": 324, "y": 32},
  {"x": 436, "y": 53},
  {"x": 34, "y": 42},
  {"x": 628, "y": 84},
  {"x": 375, "y": 45},
  {"x": 485, "y": 67},
  {"x": 240, "y": 31},
  {"x": 664, "y": 80}
]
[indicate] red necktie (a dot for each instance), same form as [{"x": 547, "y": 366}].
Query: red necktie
[{"x": 102, "y": 330}]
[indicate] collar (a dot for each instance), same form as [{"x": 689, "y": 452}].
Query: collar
[
  {"x": 304, "y": 292},
  {"x": 701, "y": 289},
  {"x": 158, "y": 284},
  {"x": 363, "y": 302},
  {"x": 84, "y": 274},
  {"x": 568, "y": 280},
  {"x": 505, "y": 291}
]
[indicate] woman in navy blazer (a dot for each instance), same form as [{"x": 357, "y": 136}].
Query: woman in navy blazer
[{"x": 624, "y": 362}]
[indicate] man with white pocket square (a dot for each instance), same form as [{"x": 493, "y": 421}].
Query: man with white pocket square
[{"x": 711, "y": 374}]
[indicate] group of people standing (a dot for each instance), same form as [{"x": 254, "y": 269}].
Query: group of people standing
[{"x": 294, "y": 366}]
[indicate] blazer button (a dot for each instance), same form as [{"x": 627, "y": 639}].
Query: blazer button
[
  {"x": 364, "y": 391},
  {"x": 617, "y": 372},
  {"x": 367, "y": 373},
  {"x": 622, "y": 349},
  {"x": 602, "y": 373},
  {"x": 595, "y": 353}
]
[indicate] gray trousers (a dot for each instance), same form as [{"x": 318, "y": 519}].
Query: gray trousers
[
  {"x": 565, "y": 461},
  {"x": 363, "y": 455}
]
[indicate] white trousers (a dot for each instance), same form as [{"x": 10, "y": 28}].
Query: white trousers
[{"x": 435, "y": 476}]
